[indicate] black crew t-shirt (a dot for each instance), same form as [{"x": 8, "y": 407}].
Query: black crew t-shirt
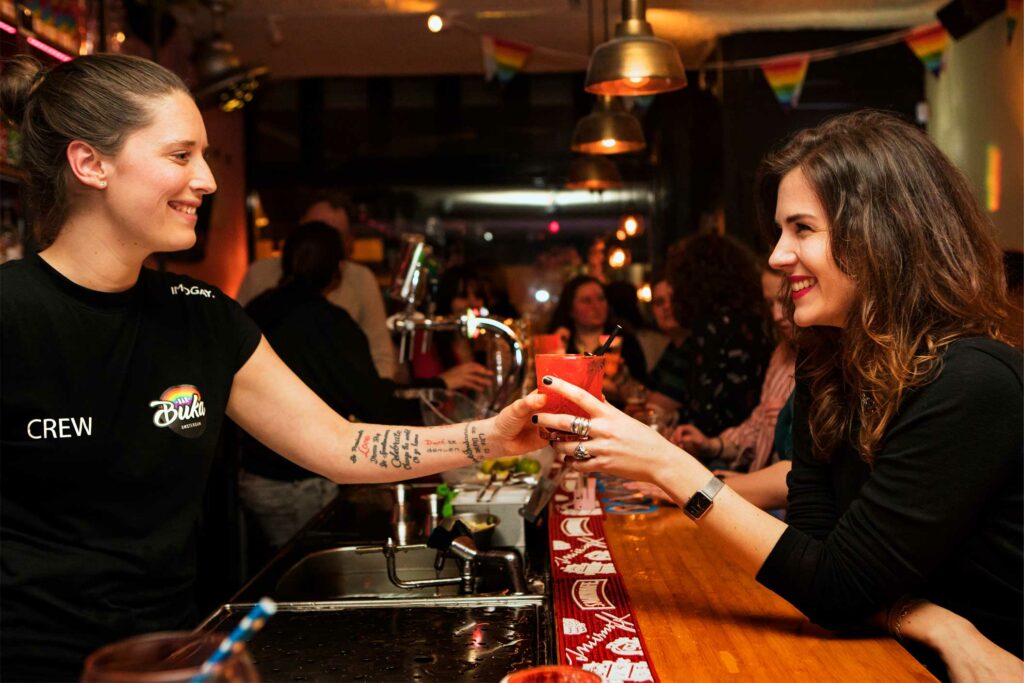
[{"x": 111, "y": 408}]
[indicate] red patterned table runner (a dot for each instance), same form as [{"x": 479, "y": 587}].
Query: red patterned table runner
[{"x": 595, "y": 624}]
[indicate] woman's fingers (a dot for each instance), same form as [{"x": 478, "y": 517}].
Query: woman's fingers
[
  {"x": 561, "y": 422},
  {"x": 577, "y": 395}
]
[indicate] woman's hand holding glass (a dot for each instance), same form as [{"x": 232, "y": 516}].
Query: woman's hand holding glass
[{"x": 617, "y": 443}]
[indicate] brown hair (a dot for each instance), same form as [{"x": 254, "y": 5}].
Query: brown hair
[
  {"x": 708, "y": 272},
  {"x": 99, "y": 99},
  {"x": 906, "y": 228}
]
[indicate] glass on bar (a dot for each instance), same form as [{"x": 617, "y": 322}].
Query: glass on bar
[
  {"x": 584, "y": 371},
  {"x": 552, "y": 674}
]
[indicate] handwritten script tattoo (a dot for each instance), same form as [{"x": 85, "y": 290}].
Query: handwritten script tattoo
[
  {"x": 355, "y": 446},
  {"x": 398, "y": 448},
  {"x": 474, "y": 443}
]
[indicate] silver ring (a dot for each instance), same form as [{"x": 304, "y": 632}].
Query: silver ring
[
  {"x": 581, "y": 452},
  {"x": 580, "y": 426}
]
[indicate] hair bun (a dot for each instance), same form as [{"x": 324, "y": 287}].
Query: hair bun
[{"x": 20, "y": 75}]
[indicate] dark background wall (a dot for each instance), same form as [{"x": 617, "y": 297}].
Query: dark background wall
[{"x": 369, "y": 135}]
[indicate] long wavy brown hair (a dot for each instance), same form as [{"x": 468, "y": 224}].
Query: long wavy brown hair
[{"x": 906, "y": 228}]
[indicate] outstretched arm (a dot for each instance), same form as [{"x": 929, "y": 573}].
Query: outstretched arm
[
  {"x": 273, "y": 405},
  {"x": 627, "y": 448}
]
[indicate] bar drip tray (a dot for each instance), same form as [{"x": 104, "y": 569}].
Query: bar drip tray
[{"x": 401, "y": 640}]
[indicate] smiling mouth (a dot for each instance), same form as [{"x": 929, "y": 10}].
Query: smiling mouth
[
  {"x": 184, "y": 208},
  {"x": 801, "y": 288}
]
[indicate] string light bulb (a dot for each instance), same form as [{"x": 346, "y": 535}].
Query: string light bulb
[
  {"x": 619, "y": 257},
  {"x": 435, "y": 23},
  {"x": 643, "y": 293},
  {"x": 632, "y": 225}
]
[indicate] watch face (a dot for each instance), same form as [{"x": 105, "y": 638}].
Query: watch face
[{"x": 698, "y": 505}]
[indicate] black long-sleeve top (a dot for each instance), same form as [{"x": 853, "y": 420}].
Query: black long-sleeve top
[
  {"x": 939, "y": 516},
  {"x": 324, "y": 346}
]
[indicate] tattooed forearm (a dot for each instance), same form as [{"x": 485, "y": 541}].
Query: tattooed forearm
[
  {"x": 475, "y": 443},
  {"x": 406, "y": 448}
]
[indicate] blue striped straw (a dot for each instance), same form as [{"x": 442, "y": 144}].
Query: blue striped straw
[{"x": 235, "y": 641}]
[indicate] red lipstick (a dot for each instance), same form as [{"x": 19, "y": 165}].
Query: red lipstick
[{"x": 795, "y": 279}]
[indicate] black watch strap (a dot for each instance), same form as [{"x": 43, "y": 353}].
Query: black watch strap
[{"x": 701, "y": 502}]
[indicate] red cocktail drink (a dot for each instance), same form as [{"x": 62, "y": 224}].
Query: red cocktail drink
[{"x": 586, "y": 372}]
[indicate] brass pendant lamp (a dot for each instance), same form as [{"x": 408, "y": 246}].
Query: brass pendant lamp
[
  {"x": 224, "y": 80},
  {"x": 590, "y": 172},
  {"x": 609, "y": 129},
  {"x": 635, "y": 62}
]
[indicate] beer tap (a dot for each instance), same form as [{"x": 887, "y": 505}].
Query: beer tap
[{"x": 410, "y": 288}]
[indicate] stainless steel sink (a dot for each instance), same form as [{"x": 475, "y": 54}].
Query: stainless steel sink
[{"x": 351, "y": 573}]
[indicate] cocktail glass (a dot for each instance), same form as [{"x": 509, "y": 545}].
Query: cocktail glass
[
  {"x": 586, "y": 372},
  {"x": 552, "y": 674}
]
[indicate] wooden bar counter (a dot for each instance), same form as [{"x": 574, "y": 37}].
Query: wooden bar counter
[{"x": 705, "y": 620}]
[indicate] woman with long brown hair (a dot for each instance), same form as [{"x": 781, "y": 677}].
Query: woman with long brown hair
[{"x": 905, "y": 496}]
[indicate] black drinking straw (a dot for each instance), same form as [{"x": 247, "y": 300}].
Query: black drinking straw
[{"x": 608, "y": 344}]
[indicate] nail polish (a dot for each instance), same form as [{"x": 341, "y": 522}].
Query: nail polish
[
  {"x": 547, "y": 380},
  {"x": 533, "y": 419}
]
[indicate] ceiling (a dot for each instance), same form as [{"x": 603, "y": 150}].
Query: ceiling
[{"x": 308, "y": 38}]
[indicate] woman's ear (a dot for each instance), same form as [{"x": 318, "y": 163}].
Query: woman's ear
[{"x": 87, "y": 164}]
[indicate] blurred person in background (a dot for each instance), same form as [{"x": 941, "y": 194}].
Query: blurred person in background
[
  {"x": 583, "y": 317},
  {"x": 625, "y": 310},
  {"x": 358, "y": 293},
  {"x": 664, "y": 320},
  {"x": 450, "y": 355},
  {"x": 323, "y": 345},
  {"x": 749, "y": 446},
  {"x": 755, "y": 456},
  {"x": 714, "y": 377},
  {"x": 597, "y": 254}
]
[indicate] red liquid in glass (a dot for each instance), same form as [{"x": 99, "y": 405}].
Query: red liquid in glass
[{"x": 586, "y": 372}]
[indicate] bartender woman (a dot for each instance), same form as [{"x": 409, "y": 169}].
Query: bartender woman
[{"x": 116, "y": 378}]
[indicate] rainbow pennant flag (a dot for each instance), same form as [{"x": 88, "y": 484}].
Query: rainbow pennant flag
[
  {"x": 503, "y": 58},
  {"x": 929, "y": 44},
  {"x": 786, "y": 77},
  {"x": 1013, "y": 10}
]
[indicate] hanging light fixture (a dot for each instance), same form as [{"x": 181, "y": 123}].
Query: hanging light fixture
[
  {"x": 635, "y": 62},
  {"x": 592, "y": 172},
  {"x": 223, "y": 80},
  {"x": 609, "y": 129}
]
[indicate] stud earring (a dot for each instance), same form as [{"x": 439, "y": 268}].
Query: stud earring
[{"x": 103, "y": 184}]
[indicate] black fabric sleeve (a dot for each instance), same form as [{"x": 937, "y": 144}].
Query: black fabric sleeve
[
  {"x": 811, "y": 506},
  {"x": 342, "y": 373},
  {"x": 246, "y": 333},
  {"x": 943, "y": 460}
]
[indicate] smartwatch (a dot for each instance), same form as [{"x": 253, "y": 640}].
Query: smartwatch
[{"x": 701, "y": 502}]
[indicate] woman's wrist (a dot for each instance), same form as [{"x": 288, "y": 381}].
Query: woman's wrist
[
  {"x": 680, "y": 474},
  {"x": 713, "y": 448},
  {"x": 926, "y": 623}
]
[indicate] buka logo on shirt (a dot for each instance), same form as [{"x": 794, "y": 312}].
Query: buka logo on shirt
[{"x": 181, "y": 409}]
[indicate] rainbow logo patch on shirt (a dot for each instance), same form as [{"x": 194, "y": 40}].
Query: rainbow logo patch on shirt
[{"x": 181, "y": 409}]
